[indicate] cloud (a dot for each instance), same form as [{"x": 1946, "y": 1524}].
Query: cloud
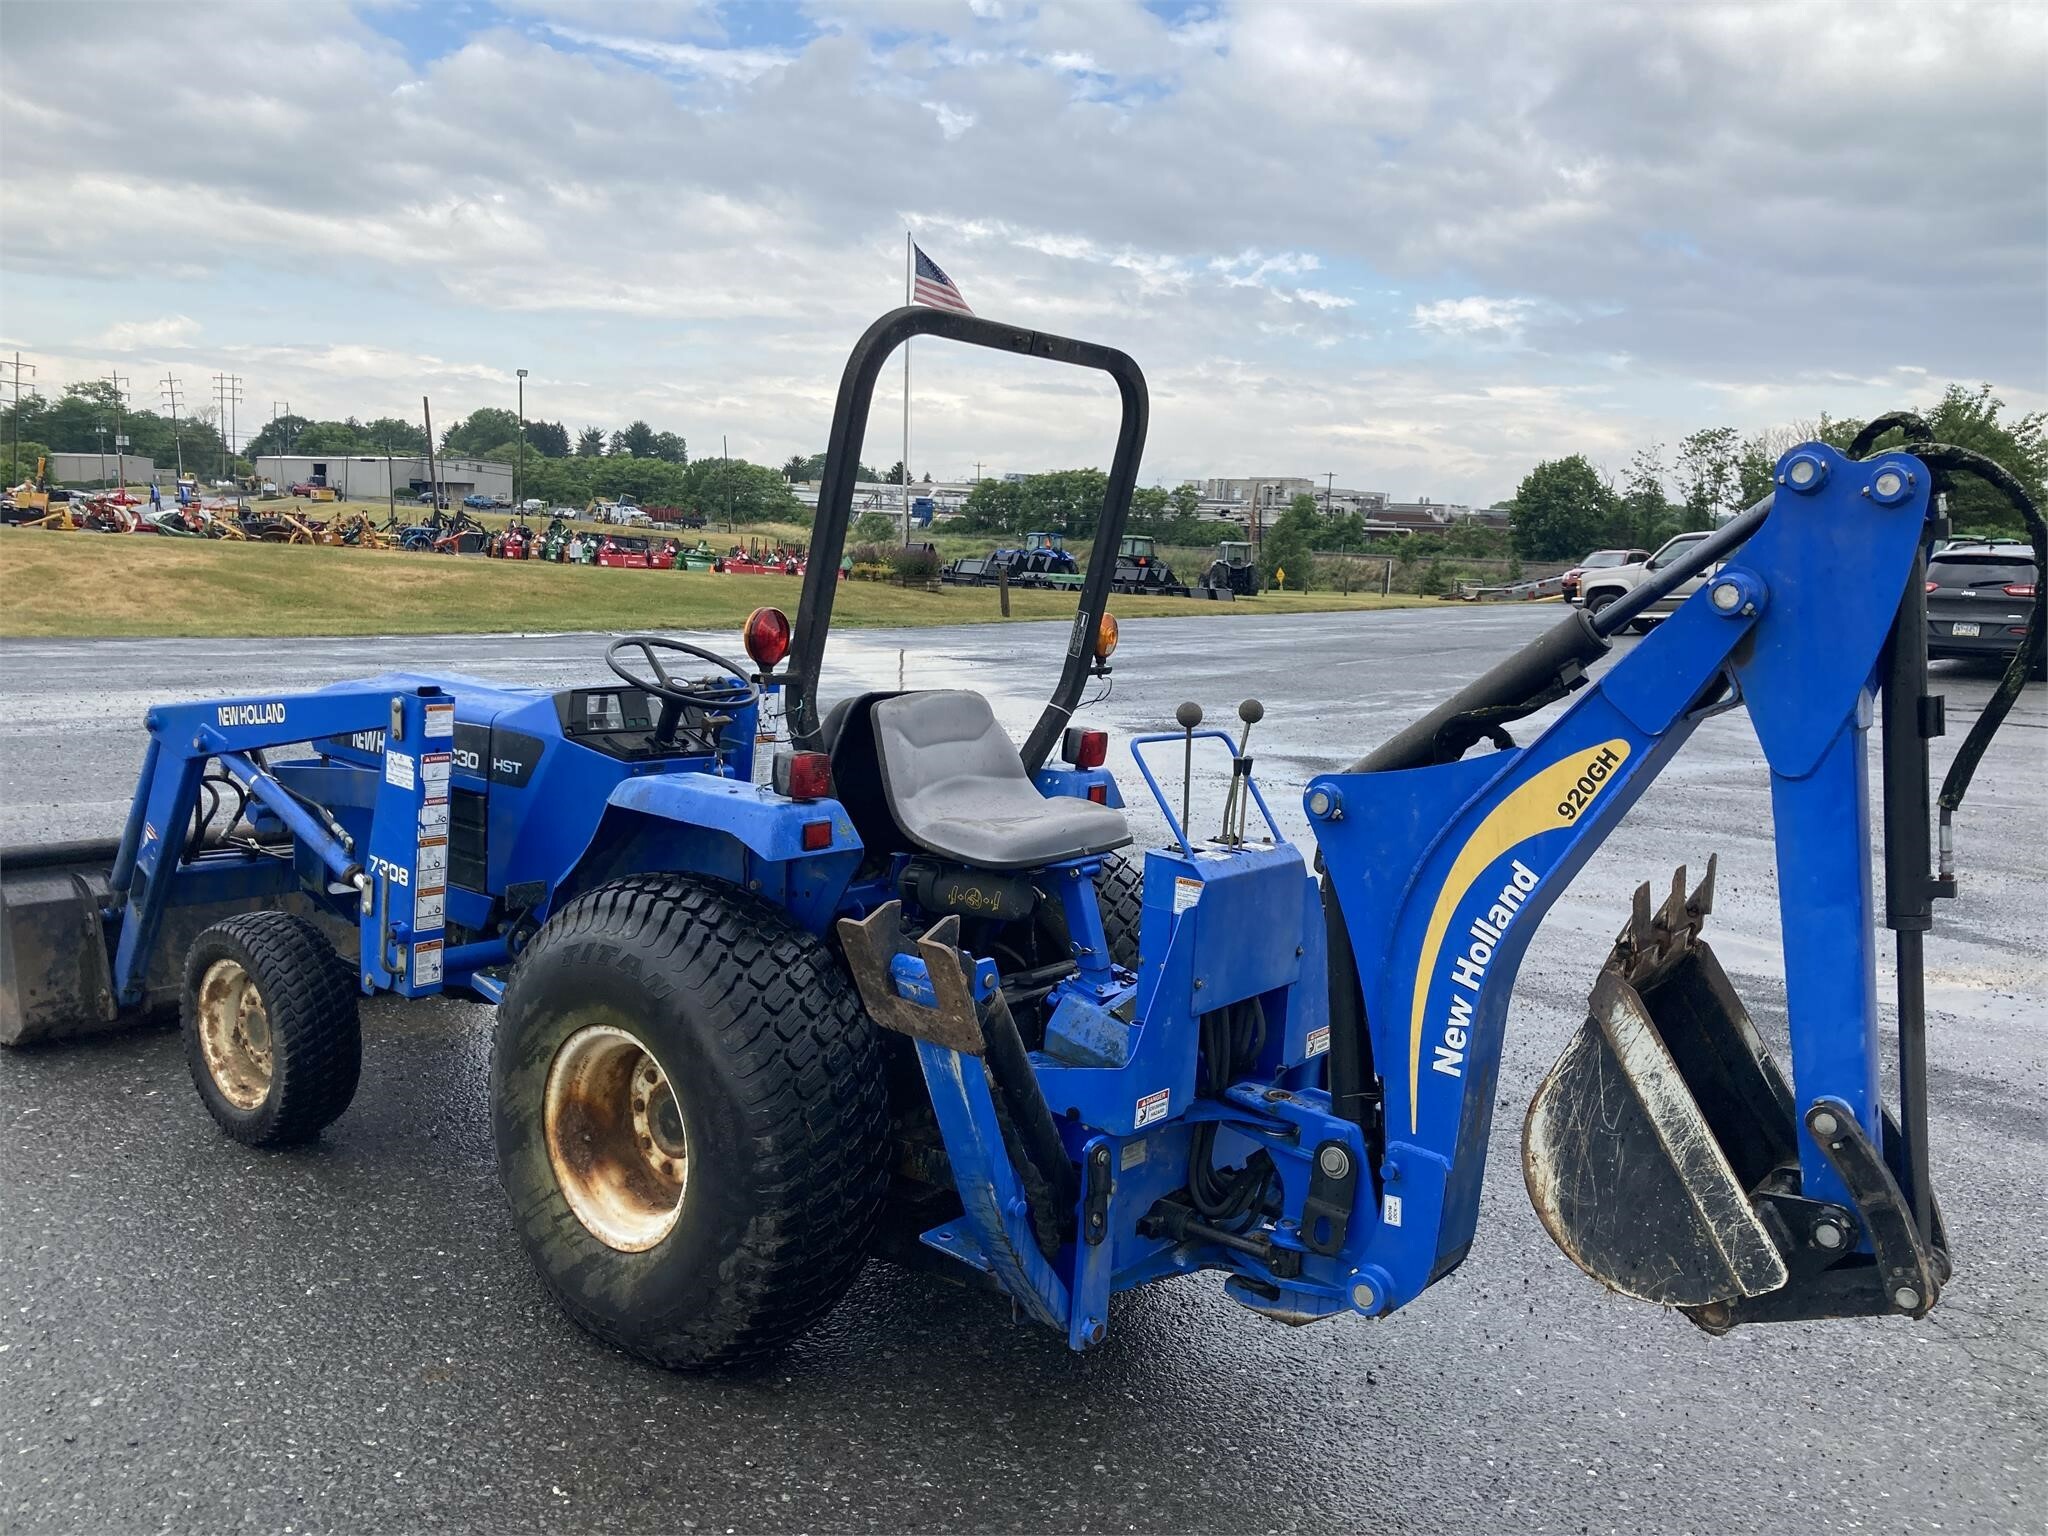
[
  {"x": 171, "y": 331},
  {"x": 1497, "y": 231},
  {"x": 1477, "y": 316}
]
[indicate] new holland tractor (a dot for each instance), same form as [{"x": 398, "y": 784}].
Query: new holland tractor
[{"x": 912, "y": 996}]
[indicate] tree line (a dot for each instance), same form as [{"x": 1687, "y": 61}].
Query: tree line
[{"x": 1566, "y": 507}]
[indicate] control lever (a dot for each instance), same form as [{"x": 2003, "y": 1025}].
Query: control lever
[
  {"x": 1237, "y": 802},
  {"x": 1188, "y": 716}
]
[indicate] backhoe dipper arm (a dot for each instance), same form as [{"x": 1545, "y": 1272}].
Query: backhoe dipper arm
[{"x": 1443, "y": 871}]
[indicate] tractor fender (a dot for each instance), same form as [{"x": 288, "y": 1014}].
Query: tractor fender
[{"x": 727, "y": 829}]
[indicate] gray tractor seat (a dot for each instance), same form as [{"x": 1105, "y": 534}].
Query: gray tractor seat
[{"x": 956, "y": 786}]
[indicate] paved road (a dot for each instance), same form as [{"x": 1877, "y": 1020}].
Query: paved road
[{"x": 348, "y": 1338}]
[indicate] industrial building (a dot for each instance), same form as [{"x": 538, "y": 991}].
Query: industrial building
[
  {"x": 373, "y": 477},
  {"x": 104, "y": 469}
]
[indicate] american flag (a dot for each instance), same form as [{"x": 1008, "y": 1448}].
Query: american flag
[{"x": 933, "y": 287}]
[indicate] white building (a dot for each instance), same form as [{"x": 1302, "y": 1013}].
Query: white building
[{"x": 370, "y": 477}]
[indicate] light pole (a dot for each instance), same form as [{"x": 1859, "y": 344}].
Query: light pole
[{"x": 519, "y": 467}]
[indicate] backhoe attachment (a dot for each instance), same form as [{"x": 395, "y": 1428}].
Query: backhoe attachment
[{"x": 1662, "y": 1153}]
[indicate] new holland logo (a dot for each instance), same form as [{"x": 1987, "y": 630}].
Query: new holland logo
[
  {"x": 250, "y": 714},
  {"x": 1554, "y": 797}
]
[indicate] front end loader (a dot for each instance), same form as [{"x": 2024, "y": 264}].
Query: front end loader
[{"x": 782, "y": 985}]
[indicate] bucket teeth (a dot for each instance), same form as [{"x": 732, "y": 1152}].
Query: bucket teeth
[{"x": 1655, "y": 938}]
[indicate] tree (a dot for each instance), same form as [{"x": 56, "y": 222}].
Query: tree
[
  {"x": 1708, "y": 475},
  {"x": 1289, "y": 546},
  {"x": 394, "y": 434},
  {"x": 482, "y": 430},
  {"x": 1643, "y": 517},
  {"x": 1561, "y": 509},
  {"x": 590, "y": 443},
  {"x": 893, "y": 475},
  {"x": 875, "y": 528},
  {"x": 670, "y": 448},
  {"x": 793, "y": 468},
  {"x": 1185, "y": 500},
  {"x": 277, "y": 435},
  {"x": 550, "y": 439},
  {"x": 636, "y": 441},
  {"x": 325, "y": 437},
  {"x": 18, "y": 468}
]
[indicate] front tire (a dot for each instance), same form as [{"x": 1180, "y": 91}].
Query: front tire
[
  {"x": 271, "y": 1035},
  {"x": 690, "y": 1114}
]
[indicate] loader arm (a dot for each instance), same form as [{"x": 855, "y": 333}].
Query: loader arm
[{"x": 1442, "y": 872}]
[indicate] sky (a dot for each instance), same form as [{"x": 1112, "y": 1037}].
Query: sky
[{"x": 1417, "y": 247}]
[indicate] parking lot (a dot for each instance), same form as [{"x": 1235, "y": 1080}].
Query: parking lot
[{"x": 194, "y": 1336}]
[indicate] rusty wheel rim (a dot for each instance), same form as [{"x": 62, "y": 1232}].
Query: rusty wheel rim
[
  {"x": 234, "y": 1034},
  {"x": 615, "y": 1138}
]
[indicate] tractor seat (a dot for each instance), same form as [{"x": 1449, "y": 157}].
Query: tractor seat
[{"x": 955, "y": 786}]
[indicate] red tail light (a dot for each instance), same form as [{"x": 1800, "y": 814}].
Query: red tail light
[
  {"x": 1934, "y": 586},
  {"x": 766, "y": 637},
  {"x": 817, "y": 836},
  {"x": 2020, "y": 589},
  {"x": 1084, "y": 749},
  {"x": 1099, "y": 793},
  {"x": 803, "y": 775}
]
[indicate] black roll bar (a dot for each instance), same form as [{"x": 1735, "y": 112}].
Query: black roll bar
[{"x": 842, "y": 468}]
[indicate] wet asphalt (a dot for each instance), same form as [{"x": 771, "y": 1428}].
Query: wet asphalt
[{"x": 347, "y": 1337}]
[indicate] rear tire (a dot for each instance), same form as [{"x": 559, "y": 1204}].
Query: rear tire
[
  {"x": 1120, "y": 893},
  {"x": 271, "y": 1036},
  {"x": 712, "y": 1222}
]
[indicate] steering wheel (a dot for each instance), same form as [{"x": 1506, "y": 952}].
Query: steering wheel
[{"x": 711, "y": 697}]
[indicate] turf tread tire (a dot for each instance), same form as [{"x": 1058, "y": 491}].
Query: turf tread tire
[
  {"x": 1120, "y": 893},
  {"x": 783, "y": 1054},
  {"x": 309, "y": 997}
]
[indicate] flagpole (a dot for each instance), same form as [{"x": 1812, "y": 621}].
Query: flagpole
[{"x": 909, "y": 269}]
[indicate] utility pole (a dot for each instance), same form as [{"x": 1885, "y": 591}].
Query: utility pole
[
  {"x": 433, "y": 474},
  {"x": 100, "y": 431},
  {"x": 977, "y": 471},
  {"x": 227, "y": 389},
  {"x": 1329, "y": 489},
  {"x": 285, "y": 436},
  {"x": 120, "y": 442},
  {"x": 169, "y": 390},
  {"x": 17, "y": 365},
  {"x": 519, "y": 466}
]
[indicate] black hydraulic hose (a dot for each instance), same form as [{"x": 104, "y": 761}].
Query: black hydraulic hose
[
  {"x": 1947, "y": 458},
  {"x": 1710, "y": 551},
  {"x": 1010, "y": 1066}
]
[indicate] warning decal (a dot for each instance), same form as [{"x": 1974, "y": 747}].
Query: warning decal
[
  {"x": 1153, "y": 1107},
  {"x": 1186, "y": 892},
  {"x": 440, "y": 720},
  {"x": 1319, "y": 1040},
  {"x": 426, "y": 963},
  {"x": 398, "y": 769}
]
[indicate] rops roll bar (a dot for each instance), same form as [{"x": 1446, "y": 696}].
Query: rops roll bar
[{"x": 842, "y": 466}]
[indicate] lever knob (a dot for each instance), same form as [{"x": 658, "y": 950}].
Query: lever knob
[
  {"x": 1251, "y": 711},
  {"x": 1188, "y": 716}
]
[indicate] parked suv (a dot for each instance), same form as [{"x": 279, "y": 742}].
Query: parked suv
[
  {"x": 1599, "y": 560},
  {"x": 1599, "y": 588},
  {"x": 1980, "y": 599}
]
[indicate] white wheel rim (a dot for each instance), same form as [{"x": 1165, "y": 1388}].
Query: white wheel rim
[
  {"x": 234, "y": 1035},
  {"x": 615, "y": 1138}
]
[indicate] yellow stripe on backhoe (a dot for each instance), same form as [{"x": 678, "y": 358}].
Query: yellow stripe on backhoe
[{"x": 1536, "y": 807}]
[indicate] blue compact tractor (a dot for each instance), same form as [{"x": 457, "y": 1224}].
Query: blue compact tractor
[{"x": 903, "y": 989}]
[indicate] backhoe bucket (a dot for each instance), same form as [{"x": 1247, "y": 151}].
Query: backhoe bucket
[{"x": 1664, "y": 1115}]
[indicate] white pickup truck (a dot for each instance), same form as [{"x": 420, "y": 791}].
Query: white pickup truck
[{"x": 1599, "y": 588}]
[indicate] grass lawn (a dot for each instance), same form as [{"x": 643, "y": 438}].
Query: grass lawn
[{"x": 88, "y": 584}]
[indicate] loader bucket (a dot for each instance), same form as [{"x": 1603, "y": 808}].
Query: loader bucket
[
  {"x": 1644, "y": 1144},
  {"x": 56, "y": 975}
]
